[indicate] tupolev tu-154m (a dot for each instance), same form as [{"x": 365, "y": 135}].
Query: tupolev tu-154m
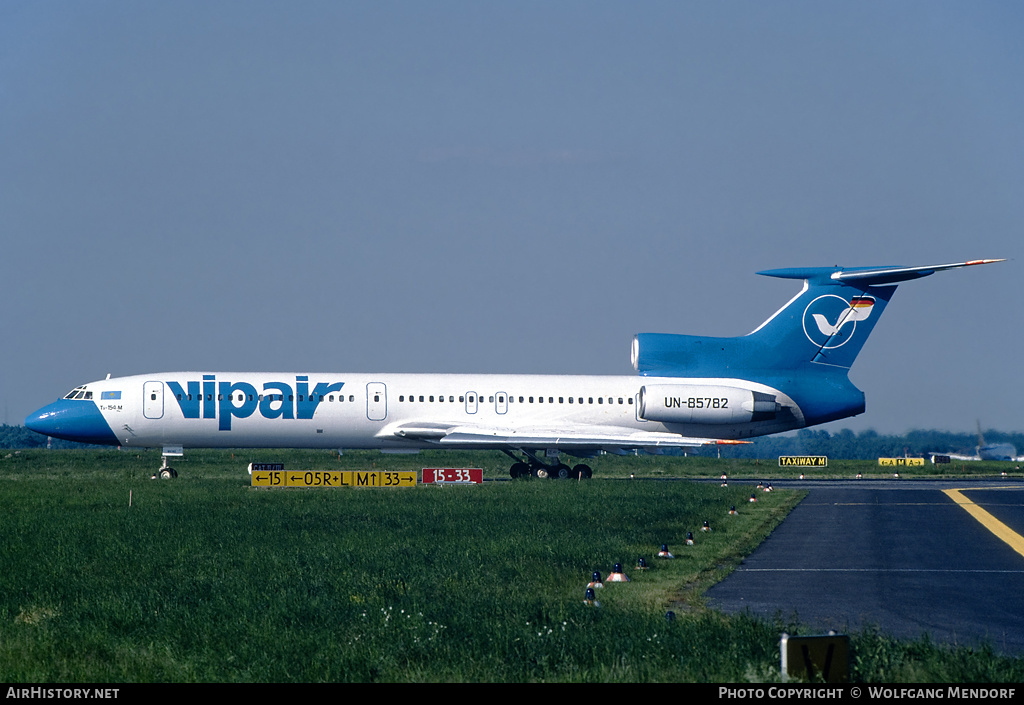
[{"x": 689, "y": 391}]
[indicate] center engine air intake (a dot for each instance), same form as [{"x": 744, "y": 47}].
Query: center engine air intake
[{"x": 686, "y": 403}]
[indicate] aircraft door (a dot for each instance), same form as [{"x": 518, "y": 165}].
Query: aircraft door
[
  {"x": 153, "y": 400},
  {"x": 376, "y": 401},
  {"x": 471, "y": 402}
]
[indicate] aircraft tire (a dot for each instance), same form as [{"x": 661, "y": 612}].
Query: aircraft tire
[
  {"x": 541, "y": 473},
  {"x": 582, "y": 471},
  {"x": 519, "y": 470},
  {"x": 168, "y": 473},
  {"x": 563, "y": 472}
]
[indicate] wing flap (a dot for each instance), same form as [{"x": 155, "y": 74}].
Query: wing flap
[{"x": 565, "y": 438}]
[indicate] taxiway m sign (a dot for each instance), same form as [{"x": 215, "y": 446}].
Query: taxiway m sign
[{"x": 803, "y": 461}]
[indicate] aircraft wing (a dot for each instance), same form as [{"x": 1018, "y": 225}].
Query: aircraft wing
[{"x": 565, "y": 438}]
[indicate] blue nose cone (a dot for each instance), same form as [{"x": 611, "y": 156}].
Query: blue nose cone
[{"x": 73, "y": 420}]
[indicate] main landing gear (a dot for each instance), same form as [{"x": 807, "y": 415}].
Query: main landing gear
[{"x": 535, "y": 467}]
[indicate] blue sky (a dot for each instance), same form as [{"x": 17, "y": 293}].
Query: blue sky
[{"x": 504, "y": 187}]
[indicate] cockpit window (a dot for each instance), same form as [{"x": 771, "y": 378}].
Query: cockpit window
[{"x": 78, "y": 393}]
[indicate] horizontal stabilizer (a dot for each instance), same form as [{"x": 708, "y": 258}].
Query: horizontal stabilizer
[{"x": 870, "y": 276}]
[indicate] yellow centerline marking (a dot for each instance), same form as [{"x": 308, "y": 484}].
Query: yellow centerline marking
[{"x": 1001, "y": 530}]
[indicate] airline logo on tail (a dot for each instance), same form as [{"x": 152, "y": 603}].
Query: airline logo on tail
[{"x": 820, "y": 313}]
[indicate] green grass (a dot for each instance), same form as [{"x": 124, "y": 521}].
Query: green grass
[{"x": 205, "y": 579}]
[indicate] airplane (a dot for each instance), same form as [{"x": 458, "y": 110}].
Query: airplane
[
  {"x": 984, "y": 451},
  {"x": 994, "y": 451},
  {"x": 997, "y": 451},
  {"x": 791, "y": 372}
]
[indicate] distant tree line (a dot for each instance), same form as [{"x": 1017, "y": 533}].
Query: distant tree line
[
  {"x": 20, "y": 437},
  {"x": 845, "y": 444},
  {"x": 866, "y": 445}
]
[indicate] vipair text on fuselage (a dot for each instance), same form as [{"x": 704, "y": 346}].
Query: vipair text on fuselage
[{"x": 789, "y": 373}]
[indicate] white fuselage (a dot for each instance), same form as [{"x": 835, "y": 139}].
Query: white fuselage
[{"x": 406, "y": 411}]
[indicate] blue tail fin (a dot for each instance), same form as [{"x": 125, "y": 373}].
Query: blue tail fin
[{"x": 824, "y": 326}]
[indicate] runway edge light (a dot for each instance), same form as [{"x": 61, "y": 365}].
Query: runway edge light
[{"x": 617, "y": 576}]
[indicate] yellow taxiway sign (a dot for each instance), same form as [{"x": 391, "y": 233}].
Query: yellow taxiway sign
[{"x": 332, "y": 478}]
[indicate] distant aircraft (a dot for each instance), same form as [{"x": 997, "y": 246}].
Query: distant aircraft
[
  {"x": 994, "y": 451},
  {"x": 984, "y": 451},
  {"x": 789, "y": 373},
  {"x": 997, "y": 451}
]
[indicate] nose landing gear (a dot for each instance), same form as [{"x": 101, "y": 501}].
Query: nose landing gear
[{"x": 165, "y": 472}]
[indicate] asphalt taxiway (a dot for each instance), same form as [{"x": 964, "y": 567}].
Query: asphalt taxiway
[{"x": 909, "y": 557}]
